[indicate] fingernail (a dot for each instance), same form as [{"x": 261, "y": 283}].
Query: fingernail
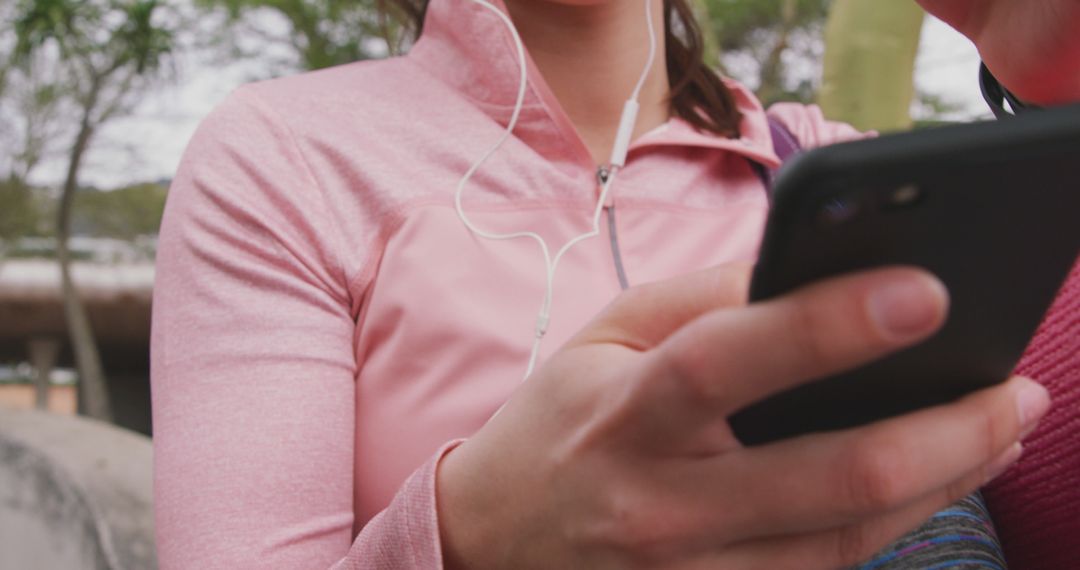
[
  {"x": 1032, "y": 402},
  {"x": 1000, "y": 465},
  {"x": 909, "y": 307}
]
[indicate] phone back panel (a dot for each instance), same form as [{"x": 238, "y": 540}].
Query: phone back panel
[{"x": 992, "y": 209}]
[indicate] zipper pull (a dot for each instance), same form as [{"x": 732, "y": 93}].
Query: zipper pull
[{"x": 602, "y": 174}]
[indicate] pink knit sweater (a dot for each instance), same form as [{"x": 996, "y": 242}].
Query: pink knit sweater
[{"x": 1036, "y": 505}]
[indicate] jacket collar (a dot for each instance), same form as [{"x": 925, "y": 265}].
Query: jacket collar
[{"x": 468, "y": 48}]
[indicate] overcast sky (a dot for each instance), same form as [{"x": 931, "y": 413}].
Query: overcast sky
[{"x": 148, "y": 145}]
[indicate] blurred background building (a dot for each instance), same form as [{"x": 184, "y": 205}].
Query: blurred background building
[{"x": 115, "y": 279}]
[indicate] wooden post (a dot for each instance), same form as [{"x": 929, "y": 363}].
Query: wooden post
[{"x": 43, "y": 355}]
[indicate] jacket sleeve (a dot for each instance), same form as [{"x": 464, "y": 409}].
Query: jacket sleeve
[
  {"x": 253, "y": 368},
  {"x": 807, "y": 124}
]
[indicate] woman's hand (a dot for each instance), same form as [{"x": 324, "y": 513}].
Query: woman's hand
[
  {"x": 1032, "y": 46},
  {"x": 617, "y": 452}
]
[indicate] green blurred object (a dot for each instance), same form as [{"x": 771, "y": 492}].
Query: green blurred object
[{"x": 870, "y": 63}]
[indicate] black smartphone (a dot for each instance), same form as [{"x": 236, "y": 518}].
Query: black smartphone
[{"x": 992, "y": 209}]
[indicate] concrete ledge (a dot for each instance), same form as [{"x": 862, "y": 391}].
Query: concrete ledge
[{"x": 74, "y": 493}]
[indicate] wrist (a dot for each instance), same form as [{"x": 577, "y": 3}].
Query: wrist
[
  {"x": 1043, "y": 90},
  {"x": 462, "y": 517}
]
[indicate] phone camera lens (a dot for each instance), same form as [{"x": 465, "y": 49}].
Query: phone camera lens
[
  {"x": 837, "y": 211},
  {"x": 905, "y": 196}
]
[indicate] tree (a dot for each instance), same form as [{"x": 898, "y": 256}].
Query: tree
[
  {"x": 765, "y": 31},
  {"x": 333, "y": 32},
  {"x": 105, "y": 53},
  {"x": 320, "y": 34},
  {"x": 30, "y": 109},
  {"x": 870, "y": 63},
  {"x": 29, "y": 119}
]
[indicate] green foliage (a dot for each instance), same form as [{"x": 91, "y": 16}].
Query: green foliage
[
  {"x": 933, "y": 110},
  {"x": 322, "y": 34},
  {"x": 766, "y": 32},
  {"x": 735, "y": 23},
  {"x": 95, "y": 55},
  {"x": 19, "y": 215},
  {"x": 106, "y": 35},
  {"x": 39, "y": 21},
  {"x": 333, "y": 32},
  {"x": 71, "y": 66},
  {"x": 125, "y": 213}
]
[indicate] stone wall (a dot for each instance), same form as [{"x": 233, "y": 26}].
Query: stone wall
[{"x": 74, "y": 494}]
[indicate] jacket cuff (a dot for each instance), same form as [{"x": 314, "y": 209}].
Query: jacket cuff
[{"x": 404, "y": 536}]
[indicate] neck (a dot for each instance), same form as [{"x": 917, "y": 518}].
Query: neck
[{"x": 592, "y": 57}]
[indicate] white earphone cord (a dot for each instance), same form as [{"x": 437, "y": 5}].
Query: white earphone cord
[{"x": 618, "y": 159}]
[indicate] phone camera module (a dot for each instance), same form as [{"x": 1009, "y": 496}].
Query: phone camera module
[
  {"x": 837, "y": 211},
  {"x": 904, "y": 197}
]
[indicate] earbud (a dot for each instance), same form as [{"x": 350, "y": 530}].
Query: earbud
[{"x": 618, "y": 159}]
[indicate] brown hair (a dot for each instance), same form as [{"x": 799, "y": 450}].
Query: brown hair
[{"x": 698, "y": 95}]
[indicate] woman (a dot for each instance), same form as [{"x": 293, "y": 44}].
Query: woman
[{"x": 327, "y": 330}]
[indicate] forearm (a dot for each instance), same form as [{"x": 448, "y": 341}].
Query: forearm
[{"x": 1032, "y": 47}]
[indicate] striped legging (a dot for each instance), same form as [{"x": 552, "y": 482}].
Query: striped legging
[{"x": 960, "y": 537}]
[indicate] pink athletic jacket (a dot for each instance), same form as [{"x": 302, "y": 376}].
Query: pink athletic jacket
[{"x": 324, "y": 325}]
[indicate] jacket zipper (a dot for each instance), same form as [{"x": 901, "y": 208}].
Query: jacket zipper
[{"x": 602, "y": 174}]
